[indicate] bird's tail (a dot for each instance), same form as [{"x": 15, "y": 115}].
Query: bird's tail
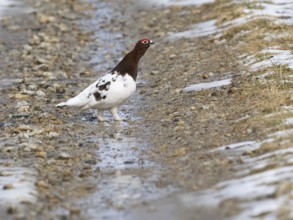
[{"x": 62, "y": 104}]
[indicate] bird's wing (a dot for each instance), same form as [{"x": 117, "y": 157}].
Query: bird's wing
[
  {"x": 93, "y": 94},
  {"x": 102, "y": 86}
]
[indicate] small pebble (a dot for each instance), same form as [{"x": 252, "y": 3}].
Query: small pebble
[
  {"x": 8, "y": 186},
  {"x": 64, "y": 156}
]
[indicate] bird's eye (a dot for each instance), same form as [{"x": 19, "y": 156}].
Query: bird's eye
[{"x": 145, "y": 42}]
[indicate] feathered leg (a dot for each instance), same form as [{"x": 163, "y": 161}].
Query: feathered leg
[
  {"x": 100, "y": 115},
  {"x": 114, "y": 112}
]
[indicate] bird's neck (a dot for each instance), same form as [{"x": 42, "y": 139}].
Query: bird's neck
[{"x": 129, "y": 64}]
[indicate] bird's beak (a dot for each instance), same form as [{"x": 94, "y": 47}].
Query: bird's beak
[{"x": 152, "y": 42}]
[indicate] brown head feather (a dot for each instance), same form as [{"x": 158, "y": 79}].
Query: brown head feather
[{"x": 129, "y": 64}]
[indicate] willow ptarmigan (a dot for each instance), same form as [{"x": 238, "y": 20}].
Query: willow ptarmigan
[{"x": 114, "y": 88}]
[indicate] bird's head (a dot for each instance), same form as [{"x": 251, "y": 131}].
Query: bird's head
[{"x": 144, "y": 43}]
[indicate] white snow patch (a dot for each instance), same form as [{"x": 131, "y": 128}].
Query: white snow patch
[
  {"x": 246, "y": 144},
  {"x": 168, "y": 3},
  {"x": 281, "y": 10},
  {"x": 23, "y": 189},
  {"x": 202, "y": 86},
  {"x": 278, "y": 57},
  {"x": 4, "y": 5},
  {"x": 197, "y": 30},
  {"x": 288, "y": 121},
  {"x": 283, "y": 133}
]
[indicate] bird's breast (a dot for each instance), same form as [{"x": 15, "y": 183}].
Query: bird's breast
[{"x": 119, "y": 91}]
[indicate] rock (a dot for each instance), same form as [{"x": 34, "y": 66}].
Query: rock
[
  {"x": 12, "y": 210},
  {"x": 248, "y": 153},
  {"x": 13, "y": 28},
  {"x": 154, "y": 72},
  {"x": 211, "y": 74},
  {"x": 32, "y": 87},
  {"x": 20, "y": 96},
  {"x": 172, "y": 56},
  {"x": 232, "y": 90},
  {"x": 41, "y": 154},
  {"x": 64, "y": 156},
  {"x": 35, "y": 40},
  {"x": 41, "y": 67},
  {"x": 52, "y": 134},
  {"x": 40, "y": 60},
  {"x": 8, "y": 149},
  {"x": 24, "y": 128},
  {"x": 42, "y": 184},
  {"x": 40, "y": 93},
  {"x": 4, "y": 173},
  {"x": 204, "y": 107},
  {"x": 178, "y": 128},
  {"x": 45, "y": 45},
  {"x": 46, "y": 18},
  {"x": 249, "y": 131},
  {"x": 23, "y": 109},
  {"x": 8, "y": 186},
  {"x": 63, "y": 27},
  {"x": 49, "y": 75},
  {"x": 207, "y": 75},
  {"x": 61, "y": 75},
  {"x": 74, "y": 211},
  {"x": 28, "y": 147},
  {"x": 180, "y": 123},
  {"x": 27, "y": 48},
  {"x": 22, "y": 106}
]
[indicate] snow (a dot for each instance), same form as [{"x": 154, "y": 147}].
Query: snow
[
  {"x": 209, "y": 85},
  {"x": 4, "y": 5},
  {"x": 198, "y": 30},
  {"x": 278, "y": 57},
  {"x": 288, "y": 121},
  {"x": 168, "y": 3},
  {"x": 23, "y": 190}
]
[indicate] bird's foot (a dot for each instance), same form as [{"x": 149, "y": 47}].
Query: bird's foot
[
  {"x": 101, "y": 119},
  {"x": 117, "y": 118}
]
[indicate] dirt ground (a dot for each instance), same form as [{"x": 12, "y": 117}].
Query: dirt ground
[{"x": 91, "y": 170}]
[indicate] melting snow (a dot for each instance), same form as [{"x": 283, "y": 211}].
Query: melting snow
[
  {"x": 198, "y": 30},
  {"x": 23, "y": 188},
  {"x": 209, "y": 85},
  {"x": 278, "y": 57},
  {"x": 168, "y": 3},
  {"x": 4, "y": 5},
  {"x": 288, "y": 121}
]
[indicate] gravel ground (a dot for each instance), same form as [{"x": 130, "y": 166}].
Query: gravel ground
[{"x": 82, "y": 169}]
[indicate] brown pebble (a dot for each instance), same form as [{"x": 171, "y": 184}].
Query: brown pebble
[
  {"x": 8, "y": 186},
  {"x": 42, "y": 184},
  {"x": 74, "y": 211},
  {"x": 11, "y": 210}
]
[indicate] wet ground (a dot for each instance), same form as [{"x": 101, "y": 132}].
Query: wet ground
[{"x": 163, "y": 160}]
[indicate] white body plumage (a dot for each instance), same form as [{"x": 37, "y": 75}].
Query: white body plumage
[{"x": 107, "y": 93}]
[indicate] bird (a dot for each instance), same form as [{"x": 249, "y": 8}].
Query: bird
[{"x": 110, "y": 91}]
